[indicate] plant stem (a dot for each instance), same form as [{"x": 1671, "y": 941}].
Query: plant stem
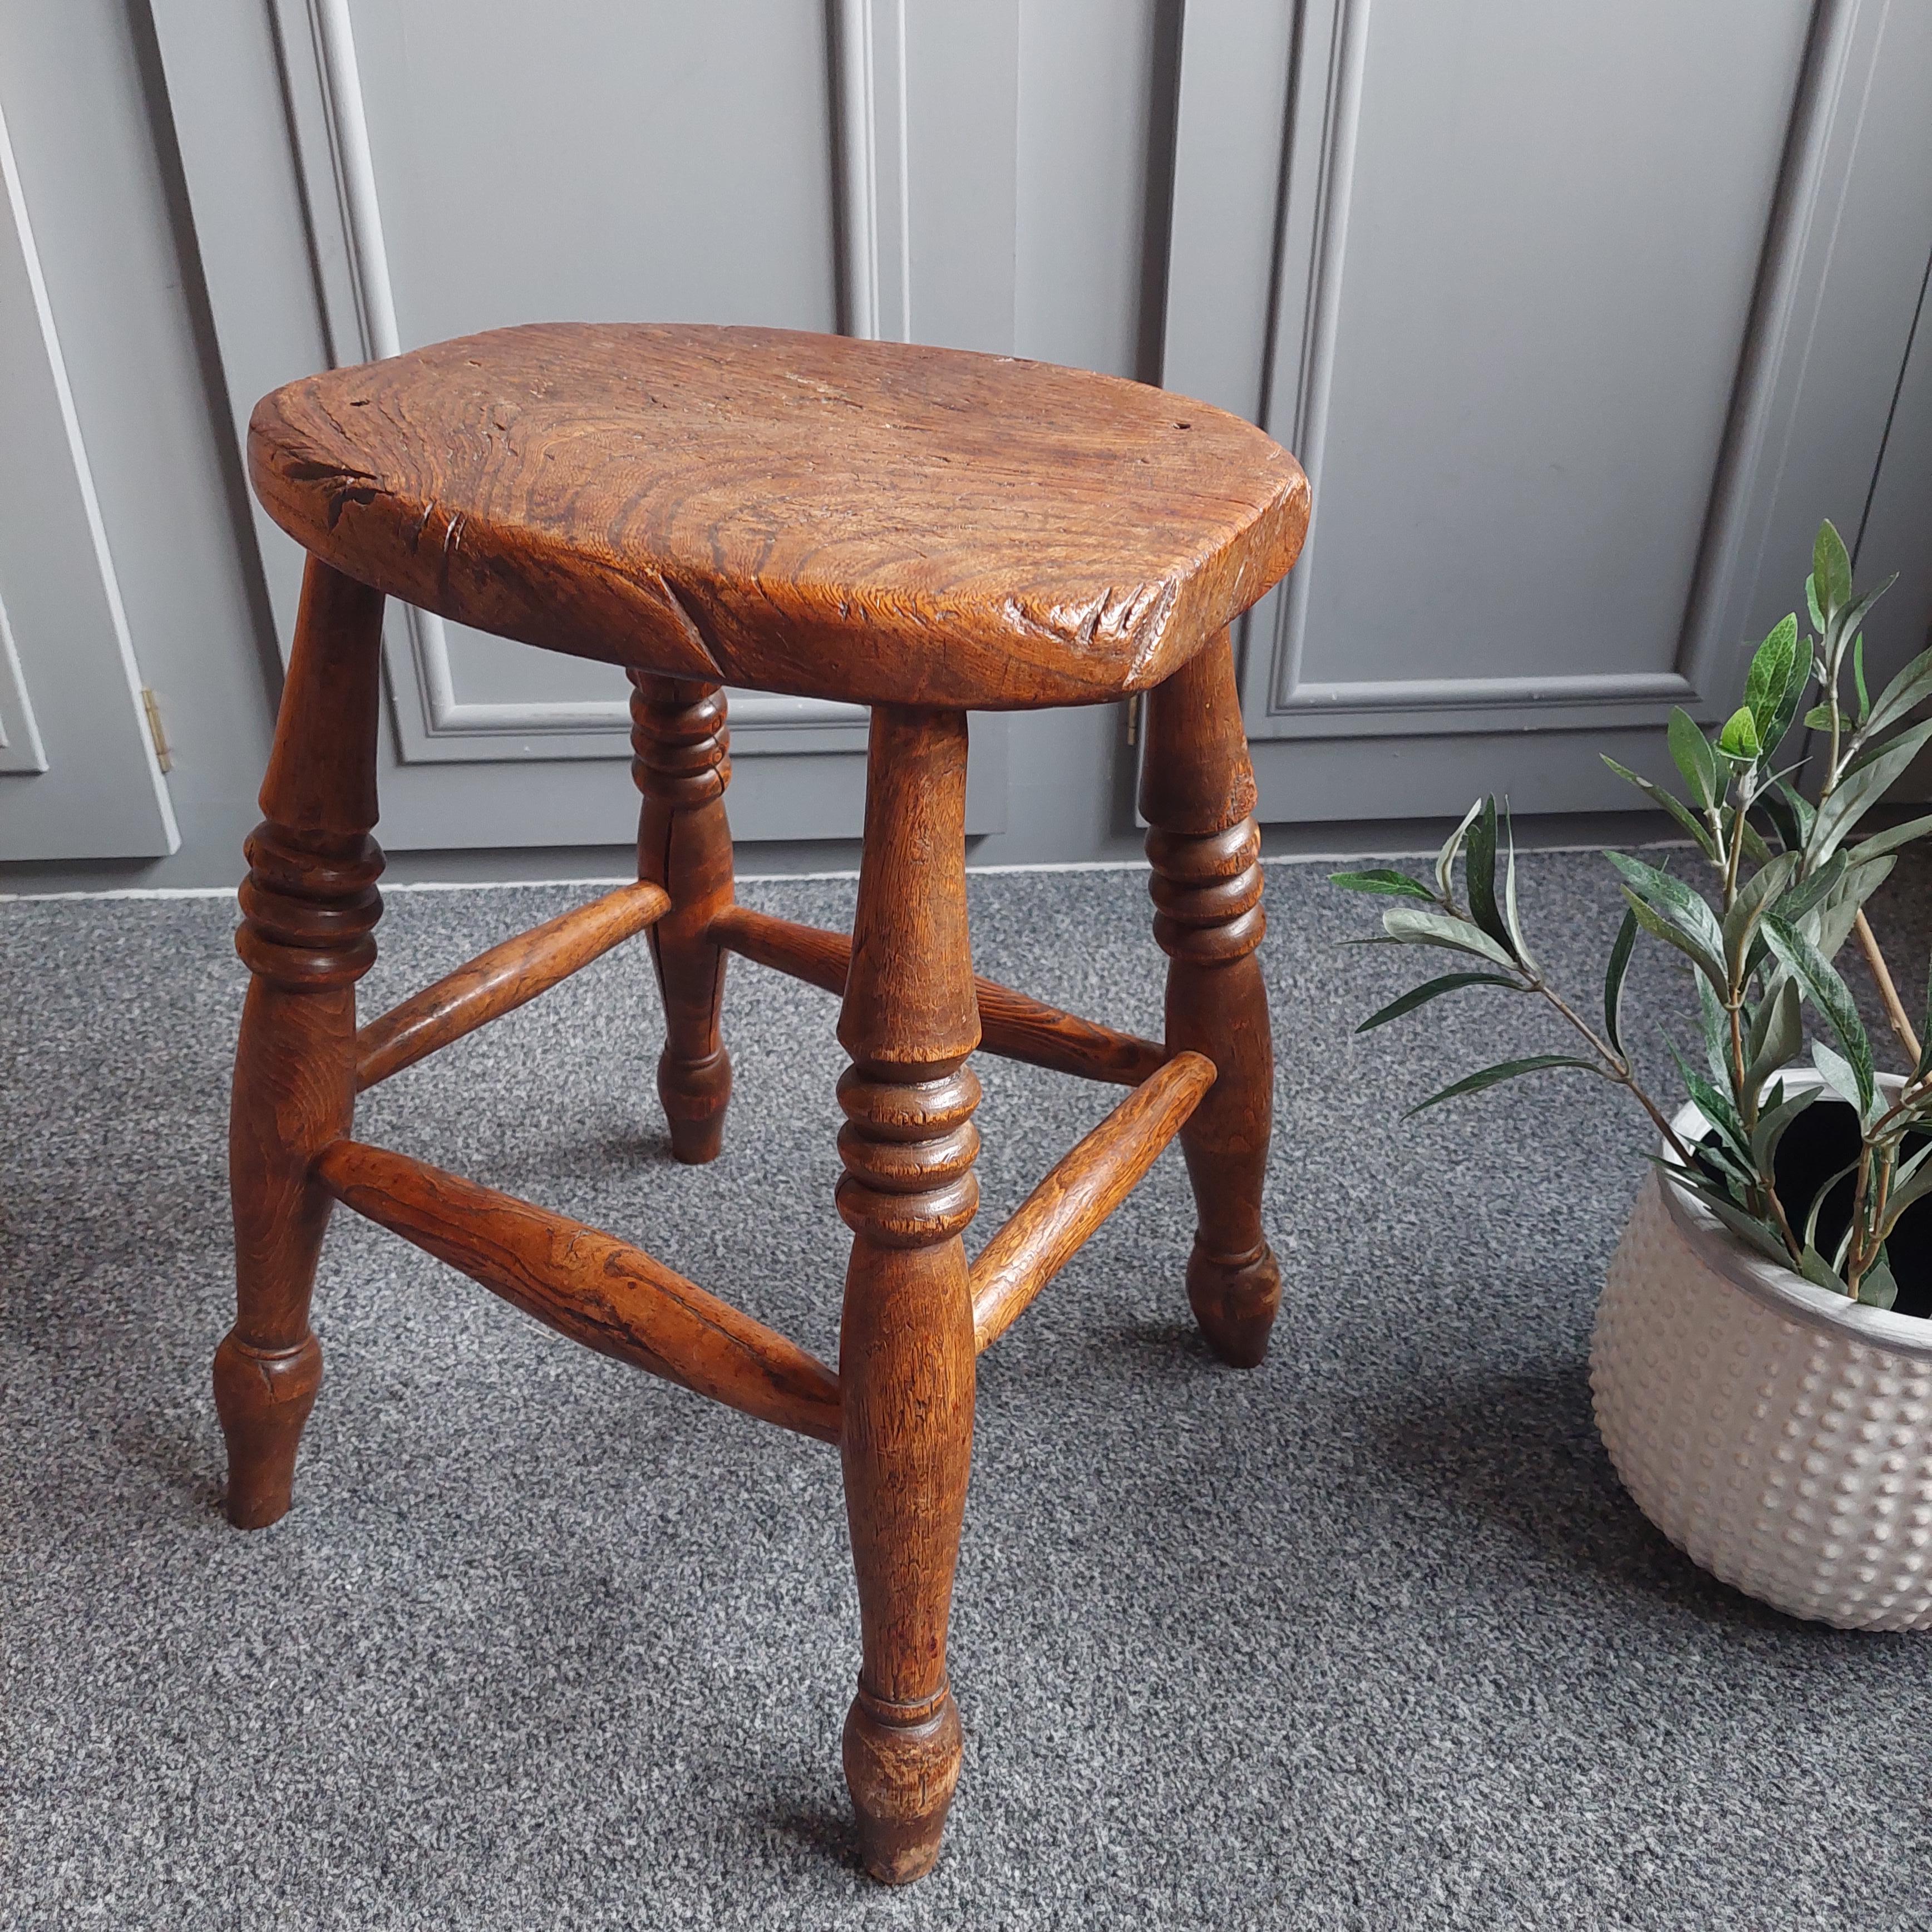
[
  {"x": 1619, "y": 1067},
  {"x": 1894, "y": 1007},
  {"x": 1791, "y": 1247},
  {"x": 1854, "y": 1259}
]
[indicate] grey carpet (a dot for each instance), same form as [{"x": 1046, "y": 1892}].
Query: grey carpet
[{"x": 1369, "y": 1638}]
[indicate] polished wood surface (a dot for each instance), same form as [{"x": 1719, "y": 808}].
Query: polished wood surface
[
  {"x": 499, "y": 981},
  {"x": 611, "y": 1296},
  {"x": 309, "y": 908},
  {"x": 682, "y": 765},
  {"x": 1197, "y": 794},
  {"x": 923, "y": 531},
  {"x": 865, "y": 521},
  {"x": 1080, "y": 1191},
  {"x": 909, "y": 1020},
  {"x": 1013, "y": 1025}
]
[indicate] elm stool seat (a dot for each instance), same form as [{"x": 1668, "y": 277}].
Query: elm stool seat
[{"x": 921, "y": 531}]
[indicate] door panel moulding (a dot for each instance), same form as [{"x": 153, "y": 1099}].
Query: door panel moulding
[
  {"x": 434, "y": 723},
  {"x": 110, "y": 798},
  {"x": 1307, "y": 137}
]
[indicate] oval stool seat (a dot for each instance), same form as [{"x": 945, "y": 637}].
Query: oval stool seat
[
  {"x": 868, "y": 521},
  {"x": 922, "y": 530}
]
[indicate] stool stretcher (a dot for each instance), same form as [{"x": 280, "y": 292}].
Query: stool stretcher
[
  {"x": 499, "y": 981},
  {"x": 589, "y": 1286},
  {"x": 1013, "y": 1025},
  {"x": 1055, "y": 1220}
]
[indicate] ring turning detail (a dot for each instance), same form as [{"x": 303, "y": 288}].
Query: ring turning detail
[{"x": 959, "y": 510}]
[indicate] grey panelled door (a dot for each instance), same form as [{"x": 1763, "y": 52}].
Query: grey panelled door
[
  {"x": 369, "y": 175},
  {"x": 78, "y": 776},
  {"x": 1579, "y": 316}
]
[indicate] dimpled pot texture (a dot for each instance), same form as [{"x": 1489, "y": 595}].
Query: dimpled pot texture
[{"x": 1779, "y": 1434}]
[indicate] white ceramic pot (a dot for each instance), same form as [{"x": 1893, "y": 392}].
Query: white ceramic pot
[{"x": 1779, "y": 1434}]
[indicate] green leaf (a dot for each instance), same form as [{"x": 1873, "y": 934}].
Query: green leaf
[
  {"x": 1831, "y": 572},
  {"x": 1715, "y": 1107},
  {"x": 1621, "y": 947},
  {"x": 1692, "y": 752},
  {"x": 1776, "y": 1039},
  {"x": 1818, "y": 1271},
  {"x": 1811, "y": 601},
  {"x": 1837, "y": 1074},
  {"x": 1829, "y": 924},
  {"x": 1914, "y": 1187},
  {"x": 1441, "y": 929},
  {"x": 1808, "y": 892},
  {"x": 1779, "y": 729},
  {"x": 1859, "y": 677},
  {"x": 1845, "y": 621},
  {"x": 1877, "y": 1288},
  {"x": 1753, "y": 899},
  {"x": 1659, "y": 927},
  {"x": 1675, "y": 805},
  {"x": 1829, "y": 994},
  {"x": 1511, "y": 920},
  {"x": 1861, "y": 788},
  {"x": 1880, "y": 843},
  {"x": 1820, "y": 718},
  {"x": 1479, "y": 875},
  {"x": 1655, "y": 923},
  {"x": 1818, "y": 1199},
  {"x": 1761, "y": 1235},
  {"x": 1433, "y": 989},
  {"x": 1771, "y": 1124},
  {"x": 1739, "y": 738},
  {"x": 1684, "y": 919},
  {"x": 1714, "y": 1023},
  {"x": 1905, "y": 693},
  {"x": 1772, "y": 668},
  {"x": 1507, "y": 1069},
  {"x": 1382, "y": 880},
  {"x": 1791, "y": 812},
  {"x": 1445, "y": 860},
  {"x": 1869, "y": 754}
]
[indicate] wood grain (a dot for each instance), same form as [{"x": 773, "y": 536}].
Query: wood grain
[
  {"x": 909, "y": 1020},
  {"x": 683, "y": 765},
  {"x": 309, "y": 908},
  {"x": 1079, "y": 1192},
  {"x": 611, "y": 1296},
  {"x": 1197, "y": 794},
  {"x": 869, "y": 521},
  {"x": 1013, "y": 1025},
  {"x": 502, "y": 979}
]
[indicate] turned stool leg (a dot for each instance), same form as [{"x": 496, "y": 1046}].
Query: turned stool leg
[
  {"x": 682, "y": 766},
  {"x": 1197, "y": 792},
  {"x": 309, "y": 908},
  {"x": 905, "y": 1345}
]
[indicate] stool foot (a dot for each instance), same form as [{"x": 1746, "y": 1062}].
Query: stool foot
[
  {"x": 902, "y": 1772},
  {"x": 263, "y": 1398},
  {"x": 695, "y": 1093},
  {"x": 1235, "y": 1302}
]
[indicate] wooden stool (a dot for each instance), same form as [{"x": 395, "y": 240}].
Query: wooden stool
[{"x": 918, "y": 530}]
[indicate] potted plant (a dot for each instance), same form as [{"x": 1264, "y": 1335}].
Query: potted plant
[{"x": 1762, "y": 1362}]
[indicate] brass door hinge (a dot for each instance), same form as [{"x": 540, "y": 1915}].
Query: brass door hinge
[{"x": 151, "y": 705}]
